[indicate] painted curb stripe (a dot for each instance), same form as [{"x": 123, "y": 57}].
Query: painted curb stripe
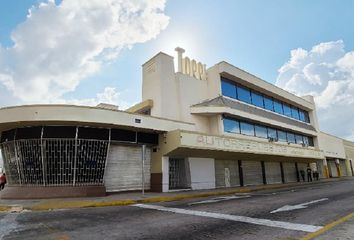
[
  {"x": 257, "y": 221},
  {"x": 328, "y": 227}
]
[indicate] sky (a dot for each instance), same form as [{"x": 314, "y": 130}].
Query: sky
[{"x": 91, "y": 51}]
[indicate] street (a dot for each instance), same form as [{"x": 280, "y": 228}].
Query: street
[{"x": 273, "y": 214}]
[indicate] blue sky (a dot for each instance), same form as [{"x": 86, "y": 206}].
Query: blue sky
[{"x": 254, "y": 35}]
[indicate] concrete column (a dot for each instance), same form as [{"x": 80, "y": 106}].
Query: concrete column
[{"x": 325, "y": 168}]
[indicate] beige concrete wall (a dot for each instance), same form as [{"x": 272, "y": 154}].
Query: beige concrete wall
[
  {"x": 12, "y": 117},
  {"x": 331, "y": 146},
  {"x": 160, "y": 85},
  {"x": 349, "y": 152}
]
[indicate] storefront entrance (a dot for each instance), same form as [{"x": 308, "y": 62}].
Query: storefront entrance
[{"x": 178, "y": 177}]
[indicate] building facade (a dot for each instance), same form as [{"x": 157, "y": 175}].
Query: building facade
[{"x": 203, "y": 128}]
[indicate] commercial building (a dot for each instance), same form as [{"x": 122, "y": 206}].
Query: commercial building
[{"x": 202, "y": 127}]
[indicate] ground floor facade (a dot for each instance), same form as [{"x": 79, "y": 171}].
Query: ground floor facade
[{"x": 67, "y": 158}]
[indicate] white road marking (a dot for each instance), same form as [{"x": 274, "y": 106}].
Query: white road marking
[
  {"x": 257, "y": 221},
  {"x": 7, "y": 224},
  {"x": 298, "y": 206},
  {"x": 219, "y": 199}
]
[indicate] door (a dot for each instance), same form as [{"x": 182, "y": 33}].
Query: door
[
  {"x": 343, "y": 168},
  {"x": 178, "y": 174},
  {"x": 332, "y": 168},
  {"x": 273, "y": 172},
  {"x": 252, "y": 173},
  {"x": 123, "y": 170},
  {"x": 289, "y": 172},
  {"x": 226, "y": 173}
]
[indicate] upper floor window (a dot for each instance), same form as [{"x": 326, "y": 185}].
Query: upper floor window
[
  {"x": 257, "y": 99},
  {"x": 278, "y": 107},
  {"x": 291, "y": 137},
  {"x": 247, "y": 128},
  {"x": 243, "y": 94},
  {"x": 287, "y": 110},
  {"x": 228, "y": 89},
  {"x": 231, "y": 125},
  {"x": 272, "y": 133},
  {"x": 268, "y": 104},
  {"x": 299, "y": 139},
  {"x": 281, "y": 136},
  {"x": 295, "y": 113},
  {"x": 260, "y": 131}
]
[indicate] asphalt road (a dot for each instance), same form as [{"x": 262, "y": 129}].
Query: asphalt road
[{"x": 242, "y": 216}]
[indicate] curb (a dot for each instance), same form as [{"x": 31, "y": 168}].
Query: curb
[{"x": 57, "y": 204}]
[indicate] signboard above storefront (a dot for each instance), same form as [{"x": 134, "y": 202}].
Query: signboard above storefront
[{"x": 194, "y": 140}]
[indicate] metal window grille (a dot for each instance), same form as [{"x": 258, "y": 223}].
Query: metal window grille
[{"x": 38, "y": 162}]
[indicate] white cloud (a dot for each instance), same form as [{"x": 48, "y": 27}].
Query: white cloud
[
  {"x": 59, "y": 45},
  {"x": 327, "y": 72}
]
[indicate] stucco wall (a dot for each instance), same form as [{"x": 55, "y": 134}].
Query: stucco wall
[{"x": 331, "y": 146}]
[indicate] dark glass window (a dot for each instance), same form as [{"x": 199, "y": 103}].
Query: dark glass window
[
  {"x": 228, "y": 89},
  {"x": 268, "y": 104},
  {"x": 272, "y": 133},
  {"x": 59, "y": 132},
  {"x": 231, "y": 125},
  {"x": 243, "y": 94},
  {"x": 281, "y": 136},
  {"x": 299, "y": 139},
  {"x": 149, "y": 138},
  {"x": 305, "y": 140},
  {"x": 257, "y": 99},
  {"x": 247, "y": 128},
  {"x": 295, "y": 113},
  {"x": 287, "y": 110},
  {"x": 29, "y": 133},
  {"x": 310, "y": 141},
  {"x": 291, "y": 137},
  {"x": 302, "y": 115},
  {"x": 123, "y": 135},
  {"x": 278, "y": 107},
  {"x": 307, "y": 117},
  {"x": 260, "y": 131},
  {"x": 8, "y": 135},
  {"x": 93, "y": 133}
]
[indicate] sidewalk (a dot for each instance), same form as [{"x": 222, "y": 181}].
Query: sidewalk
[{"x": 127, "y": 198}]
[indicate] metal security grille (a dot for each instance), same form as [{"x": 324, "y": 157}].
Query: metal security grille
[
  {"x": 10, "y": 163},
  {"x": 91, "y": 160},
  {"x": 29, "y": 161},
  {"x": 59, "y": 155},
  {"x": 177, "y": 174},
  {"x": 55, "y": 162}
]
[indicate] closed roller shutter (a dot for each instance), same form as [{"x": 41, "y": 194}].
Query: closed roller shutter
[
  {"x": 252, "y": 173},
  {"x": 273, "y": 172},
  {"x": 123, "y": 170},
  {"x": 289, "y": 172},
  {"x": 343, "y": 168},
  {"x": 226, "y": 173},
  {"x": 332, "y": 169}
]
